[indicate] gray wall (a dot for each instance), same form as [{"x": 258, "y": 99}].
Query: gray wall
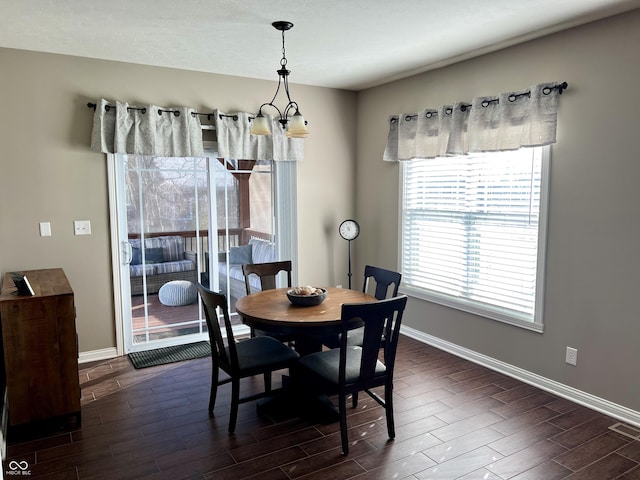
[
  {"x": 592, "y": 280},
  {"x": 47, "y": 172}
]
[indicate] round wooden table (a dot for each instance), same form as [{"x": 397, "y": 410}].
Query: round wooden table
[{"x": 271, "y": 311}]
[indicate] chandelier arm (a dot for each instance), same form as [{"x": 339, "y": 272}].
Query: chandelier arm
[
  {"x": 291, "y": 103},
  {"x": 270, "y": 104},
  {"x": 289, "y": 107},
  {"x": 286, "y": 88},
  {"x": 277, "y": 90}
]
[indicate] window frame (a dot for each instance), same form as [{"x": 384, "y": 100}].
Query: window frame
[{"x": 486, "y": 311}]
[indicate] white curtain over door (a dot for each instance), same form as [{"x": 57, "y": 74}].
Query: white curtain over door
[{"x": 508, "y": 121}]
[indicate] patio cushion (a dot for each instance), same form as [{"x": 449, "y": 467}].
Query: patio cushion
[
  {"x": 239, "y": 255},
  {"x": 137, "y": 270},
  {"x": 173, "y": 267},
  {"x": 172, "y": 246},
  {"x": 262, "y": 251},
  {"x": 151, "y": 255}
]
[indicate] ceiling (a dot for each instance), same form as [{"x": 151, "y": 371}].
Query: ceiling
[{"x": 348, "y": 44}]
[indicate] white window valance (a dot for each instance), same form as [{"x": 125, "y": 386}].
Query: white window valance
[
  {"x": 119, "y": 127},
  {"x": 505, "y": 122},
  {"x": 148, "y": 130}
]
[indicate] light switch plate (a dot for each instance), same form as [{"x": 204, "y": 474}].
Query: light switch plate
[
  {"x": 45, "y": 229},
  {"x": 82, "y": 227},
  {"x": 572, "y": 356}
]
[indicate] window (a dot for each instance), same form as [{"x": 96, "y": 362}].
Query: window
[{"x": 472, "y": 233}]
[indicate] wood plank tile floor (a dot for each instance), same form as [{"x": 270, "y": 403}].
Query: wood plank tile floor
[{"x": 454, "y": 420}]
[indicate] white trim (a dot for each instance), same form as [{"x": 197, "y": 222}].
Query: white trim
[
  {"x": 95, "y": 355},
  {"x": 578, "y": 396},
  {"x": 115, "y": 256},
  {"x": 286, "y": 213},
  {"x": 543, "y": 222},
  {"x": 464, "y": 305}
]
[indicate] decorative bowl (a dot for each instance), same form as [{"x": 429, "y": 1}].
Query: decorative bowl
[{"x": 306, "y": 300}]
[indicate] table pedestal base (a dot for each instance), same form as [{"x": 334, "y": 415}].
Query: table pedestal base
[{"x": 290, "y": 403}]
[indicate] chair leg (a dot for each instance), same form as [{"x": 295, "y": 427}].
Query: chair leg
[
  {"x": 342, "y": 407},
  {"x": 388, "y": 406},
  {"x": 235, "y": 401},
  {"x": 267, "y": 381},
  {"x": 214, "y": 388},
  {"x": 354, "y": 399}
]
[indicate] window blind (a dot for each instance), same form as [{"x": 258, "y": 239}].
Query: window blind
[{"x": 470, "y": 230}]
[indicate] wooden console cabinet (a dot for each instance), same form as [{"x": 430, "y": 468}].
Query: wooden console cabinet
[{"x": 40, "y": 348}]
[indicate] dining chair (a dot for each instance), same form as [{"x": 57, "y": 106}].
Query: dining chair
[
  {"x": 379, "y": 282},
  {"x": 267, "y": 273},
  {"x": 246, "y": 358},
  {"x": 351, "y": 369}
]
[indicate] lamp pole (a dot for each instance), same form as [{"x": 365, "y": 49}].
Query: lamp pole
[{"x": 349, "y": 274}]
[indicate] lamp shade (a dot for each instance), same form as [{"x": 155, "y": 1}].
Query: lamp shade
[
  {"x": 260, "y": 125},
  {"x": 297, "y": 127}
]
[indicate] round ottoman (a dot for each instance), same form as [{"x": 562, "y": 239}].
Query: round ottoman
[{"x": 177, "y": 293}]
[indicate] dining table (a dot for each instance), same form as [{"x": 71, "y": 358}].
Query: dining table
[{"x": 272, "y": 312}]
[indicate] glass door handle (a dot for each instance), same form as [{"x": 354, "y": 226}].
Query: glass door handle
[{"x": 127, "y": 253}]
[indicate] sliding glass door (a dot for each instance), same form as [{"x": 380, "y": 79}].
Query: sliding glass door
[
  {"x": 164, "y": 223},
  {"x": 163, "y": 208}
]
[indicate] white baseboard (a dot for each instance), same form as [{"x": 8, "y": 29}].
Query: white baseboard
[
  {"x": 601, "y": 405},
  {"x": 96, "y": 355}
]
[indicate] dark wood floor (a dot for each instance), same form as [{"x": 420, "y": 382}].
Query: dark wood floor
[{"x": 454, "y": 419}]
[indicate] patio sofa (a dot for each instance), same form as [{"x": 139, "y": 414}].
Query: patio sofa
[
  {"x": 256, "y": 251},
  {"x": 165, "y": 260}
]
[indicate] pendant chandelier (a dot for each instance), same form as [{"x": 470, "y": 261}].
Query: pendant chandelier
[{"x": 295, "y": 125}]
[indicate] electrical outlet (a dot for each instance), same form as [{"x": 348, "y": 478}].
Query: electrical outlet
[{"x": 572, "y": 356}]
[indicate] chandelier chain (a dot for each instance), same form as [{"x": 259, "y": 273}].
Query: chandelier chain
[{"x": 283, "y": 61}]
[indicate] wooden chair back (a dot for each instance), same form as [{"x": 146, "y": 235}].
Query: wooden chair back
[
  {"x": 225, "y": 358},
  {"x": 383, "y": 280},
  {"x": 382, "y": 320},
  {"x": 267, "y": 272}
]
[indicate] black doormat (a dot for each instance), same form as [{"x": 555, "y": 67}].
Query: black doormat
[{"x": 176, "y": 353}]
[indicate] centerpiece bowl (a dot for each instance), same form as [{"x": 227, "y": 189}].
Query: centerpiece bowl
[{"x": 301, "y": 297}]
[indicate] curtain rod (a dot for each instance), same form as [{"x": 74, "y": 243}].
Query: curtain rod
[
  {"x": 143, "y": 110},
  {"x": 512, "y": 98}
]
